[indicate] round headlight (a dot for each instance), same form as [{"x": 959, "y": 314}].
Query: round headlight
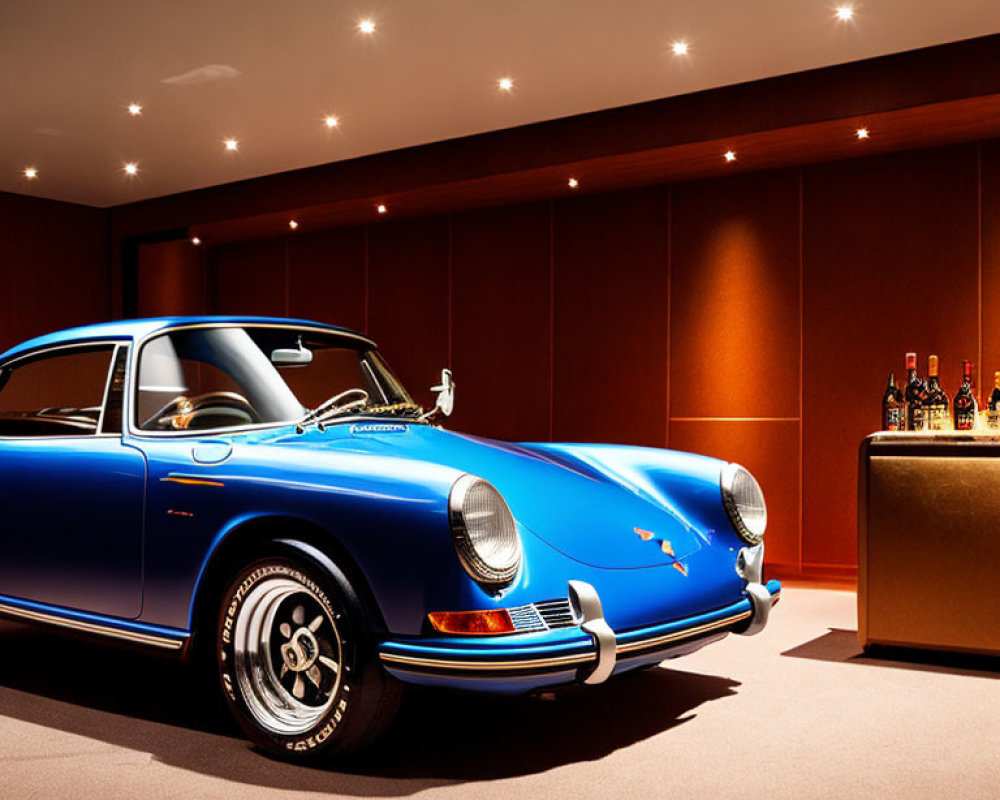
[
  {"x": 485, "y": 534},
  {"x": 744, "y": 503}
]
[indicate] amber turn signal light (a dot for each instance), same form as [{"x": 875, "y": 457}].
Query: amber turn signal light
[{"x": 474, "y": 623}]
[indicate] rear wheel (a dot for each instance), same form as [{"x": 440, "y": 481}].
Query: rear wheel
[{"x": 297, "y": 662}]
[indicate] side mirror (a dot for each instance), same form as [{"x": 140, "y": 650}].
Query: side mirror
[
  {"x": 445, "y": 402},
  {"x": 292, "y": 356}
]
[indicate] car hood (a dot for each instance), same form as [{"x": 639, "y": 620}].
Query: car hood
[{"x": 589, "y": 515}]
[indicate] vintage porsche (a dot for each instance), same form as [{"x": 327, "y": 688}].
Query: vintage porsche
[{"x": 264, "y": 494}]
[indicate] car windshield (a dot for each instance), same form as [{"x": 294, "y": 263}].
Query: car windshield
[{"x": 208, "y": 378}]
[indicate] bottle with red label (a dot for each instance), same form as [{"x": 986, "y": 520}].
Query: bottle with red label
[
  {"x": 936, "y": 404},
  {"x": 893, "y": 407},
  {"x": 964, "y": 404}
]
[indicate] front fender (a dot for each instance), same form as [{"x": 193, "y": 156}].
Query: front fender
[{"x": 390, "y": 517}]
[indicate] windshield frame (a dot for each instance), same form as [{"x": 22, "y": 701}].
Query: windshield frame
[{"x": 132, "y": 381}]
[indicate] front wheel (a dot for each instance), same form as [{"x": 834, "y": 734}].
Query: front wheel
[{"x": 297, "y": 663}]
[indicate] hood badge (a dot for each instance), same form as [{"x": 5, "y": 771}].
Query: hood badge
[
  {"x": 377, "y": 427},
  {"x": 665, "y": 547}
]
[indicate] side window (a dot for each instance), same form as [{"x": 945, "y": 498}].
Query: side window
[{"x": 55, "y": 394}]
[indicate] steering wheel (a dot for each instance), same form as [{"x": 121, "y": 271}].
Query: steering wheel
[
  {"x": 181, "y": 412},
  {"x": 338, "y": 404}
]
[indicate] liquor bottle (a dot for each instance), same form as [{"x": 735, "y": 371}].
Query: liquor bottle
[
  {"x": 993, "y": 405},
  {"x": 893, "y": 407},
  {"x": 936, "y": 404},
  {"x": 964, "y": 403},
  {"x": 916, "y": 393}
]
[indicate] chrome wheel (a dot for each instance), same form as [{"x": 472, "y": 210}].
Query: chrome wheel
[{"x": 287, "y": 656}]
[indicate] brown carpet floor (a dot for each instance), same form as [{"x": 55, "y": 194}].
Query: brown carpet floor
[{"x": 793, "y": 713}]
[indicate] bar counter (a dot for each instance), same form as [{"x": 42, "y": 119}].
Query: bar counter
[{"x": 929, "y": 541}]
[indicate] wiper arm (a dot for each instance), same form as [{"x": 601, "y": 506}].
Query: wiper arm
[{"x": 333, "y": 406}]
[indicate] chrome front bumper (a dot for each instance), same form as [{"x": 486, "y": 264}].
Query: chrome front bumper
[{"x": 590, "y": 653}]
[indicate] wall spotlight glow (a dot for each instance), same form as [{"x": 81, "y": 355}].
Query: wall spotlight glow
[
  {"x": 195, "y": 241},
  {"x": 30, "y": 173},
  {"x": 729, "y": 155},
  {"x": 131, "y": 168},
  {"x": 293, "y": 224},
  {"x": 573, "y": 183},
  {"x": 679, "y": 48},
  {"x": 134, "y": 109},
  {"x": 862, "y": 133},
  {"x": 505, "y": 84},
  {"x": 381, "y": 209},
  {"x": 331, "y": 121},
  {"x": 367, "y": 26},
  {"x": 232, "y": 145},
  {"x": 844, "y": 13}
]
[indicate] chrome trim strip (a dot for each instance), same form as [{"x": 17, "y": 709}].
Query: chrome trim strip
[
  {"x": 686, "y": 633},
  {"x": 92, "y": 627},
  {"x": 559, "y": 661},
  {"x": 541, "y": 663}
]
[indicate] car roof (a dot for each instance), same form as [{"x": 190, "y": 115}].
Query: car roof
[{"x": 140, "y": 328}]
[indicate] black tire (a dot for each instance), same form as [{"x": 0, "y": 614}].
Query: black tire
[{"x": 297, "y": 662}]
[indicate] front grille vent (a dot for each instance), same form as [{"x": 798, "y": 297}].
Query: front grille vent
[
  {"x": 543, "y": 616},
  {"x": 557, "y": 613},
  {"x": 526, "y": 618}
]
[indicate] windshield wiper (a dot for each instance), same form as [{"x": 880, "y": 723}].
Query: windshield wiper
[{"x": 335, "y": 405}]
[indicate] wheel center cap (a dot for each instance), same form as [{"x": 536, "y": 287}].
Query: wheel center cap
[{"x": 301, "y": 651}]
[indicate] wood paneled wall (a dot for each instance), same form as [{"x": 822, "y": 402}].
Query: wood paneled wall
[
  {"x": 751, "y": 318},
  {"x": 54, "y": 267}
]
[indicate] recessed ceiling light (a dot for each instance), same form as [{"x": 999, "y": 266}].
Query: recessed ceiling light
[
  {"x": 367, "y": 26},
  {"x": 679, "y": 48},
  {"x": 195, "y": 240},
  {"x": 730, "y": 155},
  {"x": 573, "y": 183},
  {"x": 131, "y": 168},
  {"x": 134, "y": 109},
  {"x": 381, "y": 209},
  {"x": 293, "y": 224},
  {"x": 505, "y": 84},
  {"x": 862, "y": 133},
  {"x": 232, "y": 145},
  {"x": 30, "y": 173},
  {"x": 844, "y": 13},
  {"x": 331, "y": 121}
]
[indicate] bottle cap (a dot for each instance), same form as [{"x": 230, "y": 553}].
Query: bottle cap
[
  {"x": 932, "y": 365},
  {"x": 911, "y": 360}
]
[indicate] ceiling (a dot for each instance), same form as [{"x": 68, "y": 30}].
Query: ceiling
[{"x": 267, "y": 74}]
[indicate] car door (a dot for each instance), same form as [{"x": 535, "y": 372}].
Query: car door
[{"x": 71, "y": 490}]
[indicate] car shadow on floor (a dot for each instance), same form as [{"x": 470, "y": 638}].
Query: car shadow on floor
[
  {"x": 171, "y": 710},
  {"x": 842, "y": 646}
]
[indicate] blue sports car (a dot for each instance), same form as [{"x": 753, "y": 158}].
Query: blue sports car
[{"x": 263, "y": 494}]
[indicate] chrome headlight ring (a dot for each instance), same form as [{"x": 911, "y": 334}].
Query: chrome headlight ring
[
  {"x": 744, "y": 503},
  {"x": 484, "y": 532}
]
